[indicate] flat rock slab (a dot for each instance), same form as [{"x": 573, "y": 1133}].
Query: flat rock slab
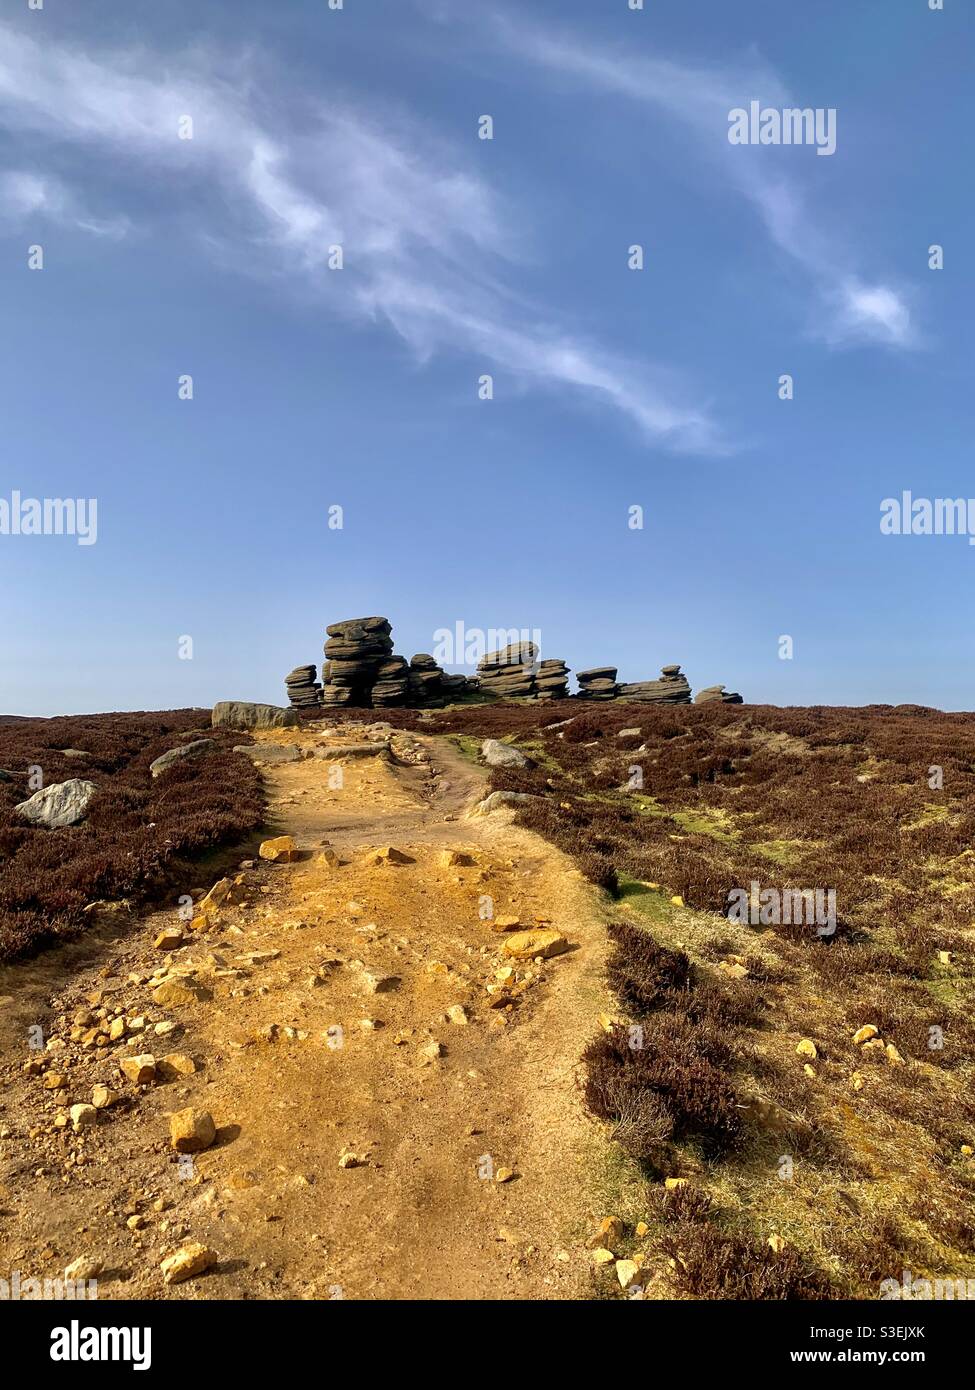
[
  {"x": 270, "y": 752},
  {"x": 352, "y": 750},
  {"x": 199, "y": 748},
  {"x": 244, "y": 714}
]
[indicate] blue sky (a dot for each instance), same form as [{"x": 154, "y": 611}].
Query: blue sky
[{"x": 612, "y": 388}]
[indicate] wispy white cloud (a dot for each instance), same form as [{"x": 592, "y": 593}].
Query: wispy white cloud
[
  {"x": 427, "y": 244},
  {"x": 846, "y": 307},
  {"x": 26, "y": 196}
]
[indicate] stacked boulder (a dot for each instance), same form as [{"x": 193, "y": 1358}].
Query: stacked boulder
[
  {"x": 712, "y": 693},
  {"x": 671, "y": 689},
  {"x": 598, "y": 683},
  {"x": 552, "y": 679},
  {"x": 425, "y": 686},
  {"x": 454, "y": 683},
  {"x": 333, "y": 695},
  {"x": 304, "y": 692},
  {"x": 509, "y": 673},
  {"x": 355, "y": 651},
  {"x": 392, "y": 682}
]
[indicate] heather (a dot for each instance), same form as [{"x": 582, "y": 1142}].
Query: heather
[{"x": 138, "y": 830}]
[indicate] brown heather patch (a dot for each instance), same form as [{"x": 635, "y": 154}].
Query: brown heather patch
[{"x": 138, "y": 830}]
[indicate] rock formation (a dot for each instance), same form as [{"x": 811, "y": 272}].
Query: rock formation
[
  {"x": 362, "y": 671},
  {"x": 498, "y": 754},
  {"x": 552, "y": 679},
  {"x": 355, "y": 650},
  {"x": 510, "y": 672},
  {"x": 425, "y": 682},
  {"x": 671, "y": 689},
  {"x": 392, "y": 682},
  {"x": 598, "y": 683},
  {"x": 245, "y": 714},
  {"x": 454, "y": 683},
  {"x": 711, "y": 693},
  {"x": 303, "y": 690},
  {"x": 199, "y": 748}
]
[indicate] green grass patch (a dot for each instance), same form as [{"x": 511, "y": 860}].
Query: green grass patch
[
  {"x": 468, "y": 746},
  {"x": 714, "y": 822},
  {"x": 945, "y": 989},
  {"x": 784, "y": 852},
  {"x": 933, "y": 812},
  {"x": 653, "y": 904}
]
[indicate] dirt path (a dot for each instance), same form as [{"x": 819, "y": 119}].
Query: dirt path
[{"x": 300, "y": 1061}]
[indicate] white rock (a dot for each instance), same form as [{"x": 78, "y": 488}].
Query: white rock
[
  {"x": 61, "y": 804},
  {"x": 498, "y": 754}
]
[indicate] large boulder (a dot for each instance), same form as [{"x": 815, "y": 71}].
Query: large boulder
[
  {"x": 61, "y": 804},
  {"x": 498, "y": 801},
  {"x": 197, "y": 749},
  {"x": 244, "y": 714},
  {"x": 498, "y": 754}
]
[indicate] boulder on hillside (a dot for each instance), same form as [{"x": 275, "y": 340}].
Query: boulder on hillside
[
  {"x": 197, "y": 749},
  {"x": 244, "y": 714},
  {"x": 498, "y": 754},
  {"x": 498, "y": 801},
  {"x": 59, "y": 805}
]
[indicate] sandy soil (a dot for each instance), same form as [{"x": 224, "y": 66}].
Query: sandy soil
[{"x": 299, "y": 1062}]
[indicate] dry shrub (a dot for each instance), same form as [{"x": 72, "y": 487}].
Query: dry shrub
[
  {"x": 600, "y": 871},
  {"x": 676, "y": 1205},
  {"x": 642, "y": 973},
  {"x": 713, "y": 1264},
  {"x": 877, "y": 1249},
  {"x": 643, "y": 1123},
  {"x": 950, "y": 1220},
  {"x": 697, "y": 1096}
]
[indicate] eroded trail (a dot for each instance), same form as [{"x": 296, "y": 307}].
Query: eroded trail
[{"x": 330, "y": 1028}]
